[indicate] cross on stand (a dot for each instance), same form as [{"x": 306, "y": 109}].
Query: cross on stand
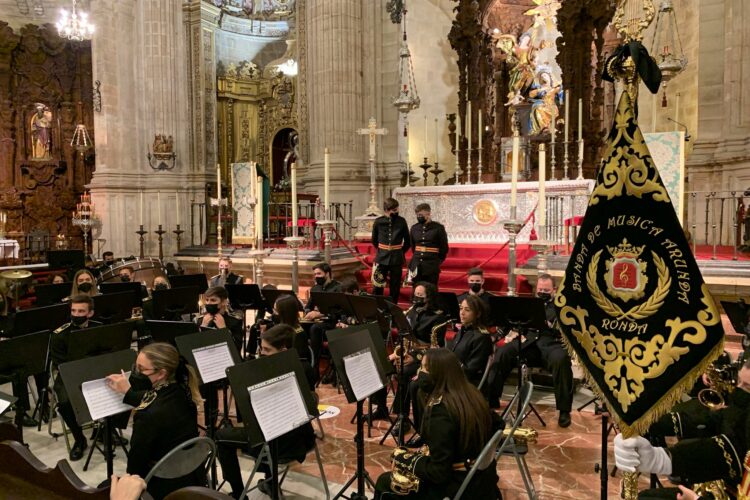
[
  {"x": 372, "y": 131},
  {"x": 218, "y": 202}
]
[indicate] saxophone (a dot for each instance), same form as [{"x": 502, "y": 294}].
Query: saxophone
[
  {"x": 403, "y": 479},
  {"x": 723, "y": 381}
]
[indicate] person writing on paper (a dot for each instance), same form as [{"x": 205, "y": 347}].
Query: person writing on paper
[
  {"x": 457, "y": 424},
  {"x": 164, "y": 391},
  {"x": 216, "y": 300},
  {"x": 291, "y": 446}
]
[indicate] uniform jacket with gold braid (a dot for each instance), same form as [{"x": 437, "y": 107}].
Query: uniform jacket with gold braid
[
  {"x": 390, "y": 237},
  {"x": 473, "y": 346},
  {"x": 58, "y": 349},
  {"x": 423, "y": 320},
  {"x": 429, "y": 242}
]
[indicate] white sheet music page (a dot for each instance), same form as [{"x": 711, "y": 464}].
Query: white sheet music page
[
  {"x": 4, "y": 404},
  {"x": 362, "y": 374},
  {"x": 278, "y": 405},
  {"x": 213, "y": 361},
  {"x": 101, "y": 400}
]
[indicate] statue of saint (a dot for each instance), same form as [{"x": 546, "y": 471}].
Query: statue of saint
[
  {"x": 520, "y": 55},
  {"x": 41, "y": 133},
  {"x": 542, "y": 96}
]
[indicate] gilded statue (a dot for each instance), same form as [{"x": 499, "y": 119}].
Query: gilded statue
[
  {"x": 520, "y": 55},
  {"x": 543, "y": 97},
  {"x": 41, "y": 133},
  {"x": 163, "y": 144}
]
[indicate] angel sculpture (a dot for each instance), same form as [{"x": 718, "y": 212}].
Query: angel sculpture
[{"x": 520, "y": 55}]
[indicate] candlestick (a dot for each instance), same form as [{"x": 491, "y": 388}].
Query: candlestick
[
  {"x": 580, "y": 118},
  {"x": 458, "y": 161},
  {"x": 140, "y": 233},
  {"x": 294, "y": 199},
  {"x": 160, "y": 232},
  {"x": 178, "y": 232},
  {"x": 542, "y": 207},
  {"x": 514, "y": 169},
  {"x": 326, "y": 181},
  {"x": 567, "y": 114}
]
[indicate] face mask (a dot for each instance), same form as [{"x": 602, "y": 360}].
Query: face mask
[
  {"x": 109, "y": 262},
  {"x": 421, "y": 219},
  {"x": 212, "y": 309},
  {"x": 84, "y": 287},
  {"x": 418, "y": 301},
  {"x": 394, "y": 215},
  {"x": 125, "y": 279},
  {"x": 544, "y": 296},
  {"x": 320, "y": 281},
  {"x": 426, "y": 383},
  {"x": 475, "y": 287},
  {"x": 78, "y": 320},
  {"x": 139, "y": 381},
  {"x": 161, "y": 286}
]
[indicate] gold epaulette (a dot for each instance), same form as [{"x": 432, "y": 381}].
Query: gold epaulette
[
  {"x": 435, "y": 401},
  {"x": 484, "y": 331},
  {"x": 299, "y": 329},
  {"x": 147, "y": 399},
  {"x": 62, "y": 328}
]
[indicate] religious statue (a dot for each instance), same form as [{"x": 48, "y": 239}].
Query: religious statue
[
  {"x": 41, "y": 133},
  {"x": 543, "y": 97},
  {"x": 520, "y": 55},
  {"x": 163, "y": 144}
]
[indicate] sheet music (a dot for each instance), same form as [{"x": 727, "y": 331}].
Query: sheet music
[
  {"x": 278, "y": 405},
  {"x": 101, "y": 400},
  {"x": 4, "y": 405},
  {"x": 213, "y": 361},
  {"x": 362, "y": 374}
]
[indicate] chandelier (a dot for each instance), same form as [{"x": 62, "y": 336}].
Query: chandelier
[
  {"x": 408, "y": 98},
  {"x": 75, "y": 25},
  {"x": 667, "y": 46}
]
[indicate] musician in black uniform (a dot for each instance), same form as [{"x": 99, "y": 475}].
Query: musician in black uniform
[
  {"x": 457, "y": 425},
  {"x": 476, "y": 286},
  {"x": 473, "y": 343},
  {"x": 216, "y": 302},
  {"x": 291, "y": 446},
  {"x": 713, "y": 450},
  {"x": 429, "y": 242},
  {"x": 225, "y": 276},
  {"x": 164, "y": 391},
  {"x": 81, "y": 312},
  {"x": 390, "y": 237},
  {"x": 539, "y": 347},
  {"x": 324, "y": 282}
]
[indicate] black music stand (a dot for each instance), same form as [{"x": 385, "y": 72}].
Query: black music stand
[
  {"x": 99, "y": 340},
  {"x": 70, "y": 260},
  {"x": 349, "y": 342},
  {"x": 243, "y": 298},
  {"x": 448, "y": 303},
  {"x": 738, "y": 314},
  {"x": 21, "y": 357},
  {"x": 75, "y": 373},
  {"x": 40, "y": 318},
  {"x": 136, "y": 288},
  {"x": 47, "y": 295},
  {"x": 263, "y": 370},
  {"x": 114, "y": 307},
  {"x": 333, "y": 304},
  {"x": 174, "y": 302},
  {"x": 189, "y": 280},
  {"x": 365, "y": 307},
  {"x": 270, "y": 297},
  {"x": 167, "y": 331},
  {"x": 11, "y": 400},
  {"x": 521, "y": 314}
]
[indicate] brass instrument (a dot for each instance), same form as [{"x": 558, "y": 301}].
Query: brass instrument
[
  {"x": 723, "y": 380},
  {"x": 403, "y": 479},
  {"x": 13, "y": 283},
  {"x": 378, "y": 280},
  {"x": 417, "y": 349},
  {"x": 715, "y": 488},
  {"x": 523, "y": 435}
]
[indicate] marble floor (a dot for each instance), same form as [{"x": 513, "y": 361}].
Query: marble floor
[{"x": 562, "y": 462}]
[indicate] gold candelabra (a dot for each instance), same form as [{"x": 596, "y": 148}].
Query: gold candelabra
[{"x": 84, "y": 216}]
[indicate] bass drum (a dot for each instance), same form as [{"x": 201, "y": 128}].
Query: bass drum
[{"x": 145, "y": 270}]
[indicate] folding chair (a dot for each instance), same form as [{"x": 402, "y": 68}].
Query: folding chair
[
  {"x": 486, "y": 458},
  {"x": 184, "y": 459},
  {"x": 486, "y": 373},
  {"x": 284, "y": 465},
  {"x": 510, "y": 447}
]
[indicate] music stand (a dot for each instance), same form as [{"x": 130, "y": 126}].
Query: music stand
[
  {"x": 21, "y": 357},
  {"x": 167, "y": 331},
  {"x": 114, "y": 307},
  {"x": 47, "y": 295},
  {"x": 243, "y": 298},
  {"x": 365, "y": 307},
  {"x": 175, "y": 301},
  {"x": 448, "y": 303},
  {"x": 333, "y": 304},
  {"x": 360, "y": 380},
  {"x": 70, "y": 260},
  {"x": 136, "y": 288},
  {"x": 521, "y": 314},
  {"x": 737, "y": 312},
  {"x": 189, "y": 280},
  {"x": 91, "y": 368},
  {"x": 40, "y": 318},
  {"x": 264, "y": 371},
  {"x": 10, "y": 400},
  {"x": 270, "y": 297}
]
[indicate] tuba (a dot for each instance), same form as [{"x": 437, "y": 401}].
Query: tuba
[{"x": 403, "y": 479}]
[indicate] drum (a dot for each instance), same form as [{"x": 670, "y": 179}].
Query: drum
[
  {"x": 14, "y": 284},
  {"x": 145, "y": 270}
]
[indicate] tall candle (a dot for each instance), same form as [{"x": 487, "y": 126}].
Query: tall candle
[
  {"x": 514, "y": 166},
  {"x": 258, "y": 206},
  {"x": 458, "y": 131},
  {"x": 468, "y": 127},
  {"x": 655, "y": 102},
  {"x": 326, "y": 181},
  {"x": 437, "y": 142},
  {"x": 567, "y": 113},
  {"x": 676, "y": 111},
  {"x": 177, "y": 202},
  {"x": 218, "y": 181},
  {"x": 424, "y": 143},
  {"x": 294, "y": 199},
  {"x": 141, "y": 207},
  {"x": 158, "y": 203},
  {"x": 542, "y": 207},
  {"x": 553, "y": 124},
  {"x": 480, "y": 130},
  {"x": 580, "y": 118}
]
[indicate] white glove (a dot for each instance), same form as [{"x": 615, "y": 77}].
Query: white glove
[
  {"x": 648, "y": 459},
  {"x": 626, "y": 456}
]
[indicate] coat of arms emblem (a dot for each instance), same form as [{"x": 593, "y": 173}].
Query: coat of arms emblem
[{"x": 626, "y": 273}]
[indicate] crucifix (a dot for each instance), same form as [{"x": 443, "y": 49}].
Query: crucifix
[{"x": 372, "y": 131}]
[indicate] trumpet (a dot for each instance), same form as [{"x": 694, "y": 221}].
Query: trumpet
[{"x": 723, "y": 380}]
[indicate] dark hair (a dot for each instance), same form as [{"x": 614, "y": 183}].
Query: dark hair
[
  {"x": 129, "y": 268},
  {"x": 479, "y": 308},
  {"x": 83, "y": 299},
  {"x": 269, "y": 286},
  {"x": 545, "y": 277},
  {"x": 279, "y": 336},
  {"x": 390, "y": 204},
  {"x": 421, "y": 207},
  {"x": 217, "y": 291},
  {"x": 51, "y": 277},
  {"x": 349, "y": 285},
  {"x": 288, "y": 309},
  {"x": 107, "y": 254},
  {"x": 464, "y": 403},
  {"x": 475, "y": 271},
  {"x": 323, "y": 266},
  {"x": 431, "y": 293}
]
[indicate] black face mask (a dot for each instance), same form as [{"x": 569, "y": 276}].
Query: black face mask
[
  {"x": 418, "y": 301},
  {"x": 212, "y": 309},
  {"x": 320, "y": 281},
  {"x": 78, "y": 320},
  {"x": 426, "y": 383},
  {"x": 139, "y": 381},
  {"x": 475, "y": 287},
  {"x": 84, "y": 287},
  {"x": 125, "y": 279},
  {"x": 394, "y": 215},
  {"x": 546, "y": 297},
  {"x": 421, "y": 219},
  {"x": 161, "y": 286},
  {"x": 109, "y": 262}
]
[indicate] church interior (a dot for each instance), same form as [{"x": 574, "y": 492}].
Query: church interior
[{"x": 258, "y": 147}]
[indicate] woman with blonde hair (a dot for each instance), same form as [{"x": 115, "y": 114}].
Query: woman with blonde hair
[
  {"x": 84, "y": 283},
  {"x": 164, "y": 391}
]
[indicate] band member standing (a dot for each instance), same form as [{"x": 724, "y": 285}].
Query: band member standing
[
  {"x": 429, "y": 242},
  {"x": 390, "y": 237},
  {"x": 476, "y": 286},
  {"x": 225, "y": 276}
]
